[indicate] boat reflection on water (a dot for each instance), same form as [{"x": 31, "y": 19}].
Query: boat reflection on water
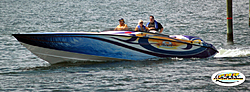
[{"x": 56, "y": 47}]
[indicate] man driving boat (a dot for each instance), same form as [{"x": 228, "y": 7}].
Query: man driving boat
[
  {"x": 122, "y": 25},
  {"x": 154, "y": 26}
]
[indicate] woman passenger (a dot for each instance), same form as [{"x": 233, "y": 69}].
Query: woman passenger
[{"x": 140, "y": 27}]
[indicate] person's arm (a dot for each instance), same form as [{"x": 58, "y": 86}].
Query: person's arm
[
  {"x": 136, "y": 28},
  {"x": 161, "y": 27},
  {"x": 117, "y": 28},
  {"x": 126, "y": 27},
  {"x": 147, "y": 29},
  {"x": 151, "y": 28},
  {"x": 161, "y": 30}
]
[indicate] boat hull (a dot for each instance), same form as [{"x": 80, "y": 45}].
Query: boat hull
[
  {"x": 125, "y": 45},
  {"x": 56, "y": 56}
]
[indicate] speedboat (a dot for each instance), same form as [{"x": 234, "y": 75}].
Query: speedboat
[{"x": 56, "y": 47}]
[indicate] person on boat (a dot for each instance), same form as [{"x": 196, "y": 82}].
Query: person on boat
[
  {"x": 140, "y": 27},
  {"x": 122, "y": 25},
  {"x": 154, "y": 26}
]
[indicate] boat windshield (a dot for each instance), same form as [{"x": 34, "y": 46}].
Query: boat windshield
[
  {"x": 113, "y": 29},
  {"x": 133, "y": 29}
]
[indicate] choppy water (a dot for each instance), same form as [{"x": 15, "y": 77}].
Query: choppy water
[{"x": 20, "y": 70}]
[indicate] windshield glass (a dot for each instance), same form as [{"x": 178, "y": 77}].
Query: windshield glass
[{"x": 114, "y": 29}]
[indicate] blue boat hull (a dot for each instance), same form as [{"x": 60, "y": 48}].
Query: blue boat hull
[{"x": 113, "y": 46}]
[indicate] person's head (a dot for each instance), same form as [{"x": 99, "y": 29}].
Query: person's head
[
  {"x": 151, "y": 18},
  {"x": 140, "y": 22},
  {"x": 121, "y": 21}
]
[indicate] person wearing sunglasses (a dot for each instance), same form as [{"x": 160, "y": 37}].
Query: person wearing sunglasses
[
  {"x": 140, "y": 27},
  {"x": 154, "y": 26},
  {"x": 122, "y": 25}
]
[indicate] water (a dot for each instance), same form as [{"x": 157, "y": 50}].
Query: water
[{"x": 20, "y": 70}]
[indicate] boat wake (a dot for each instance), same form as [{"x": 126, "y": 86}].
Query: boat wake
[{"x": 241, "y": 52}]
